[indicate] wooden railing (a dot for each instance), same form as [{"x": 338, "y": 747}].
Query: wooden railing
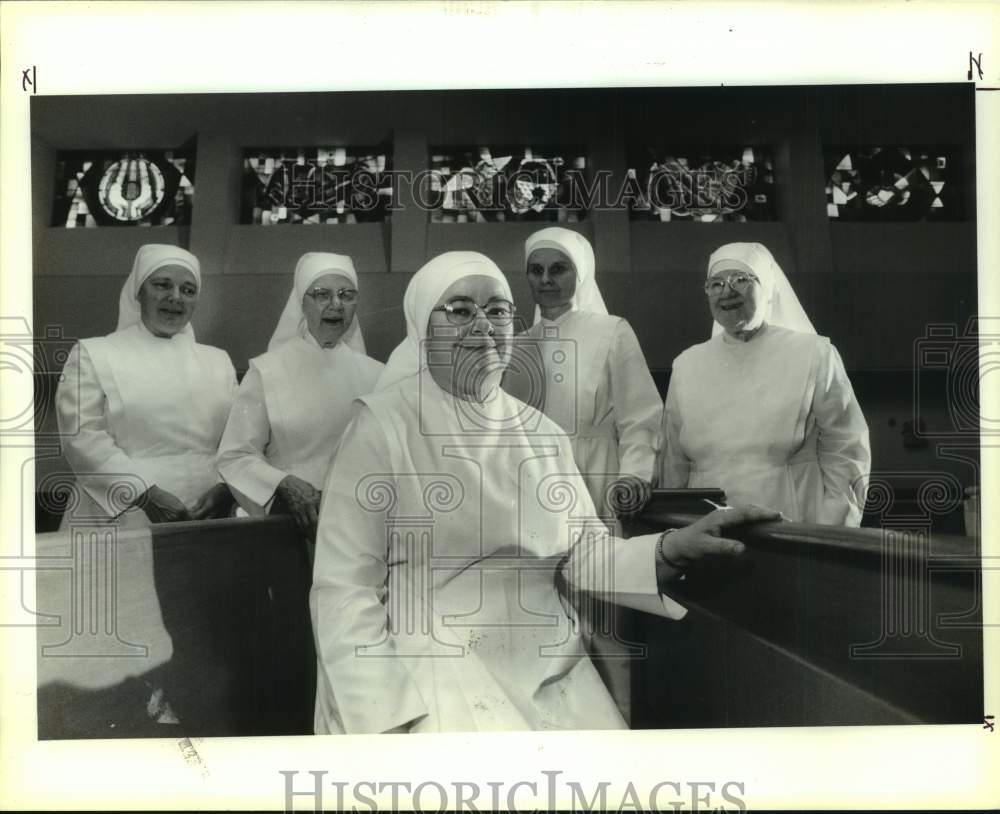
[
  {"x": 207, "y": 624},
  {"x": 817, "y": 625}
]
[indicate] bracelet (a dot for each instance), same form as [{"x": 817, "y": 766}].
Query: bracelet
[{"x": 663, "y": 557}]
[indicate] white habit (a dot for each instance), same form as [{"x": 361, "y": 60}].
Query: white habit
[
  {"x": 290, "y": 411},
  {"x": 445, "y": 531},
  {"x": 599, "y": 390},
  {"x": 137, "y": 410},
  {"x": 149, "y": 411},
  {"x": 597, "y": 386},
  {"x": 295, "y": 400},
  {"x": 772, "y": 421},
  {"x": 435, "y": 597}
]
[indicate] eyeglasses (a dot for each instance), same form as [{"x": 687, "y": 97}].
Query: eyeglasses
[
  {"x": 463, "y": 311},
  {"x": 324, "y": 296},
  {"x": 739, "y": 281}
]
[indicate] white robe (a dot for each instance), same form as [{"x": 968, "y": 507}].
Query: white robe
[
  {"x": 599, "y": 390},
  {"x": 288, "y": 416},
  {"x": 136, "y": 410},
  {"x": 772, "y": 421},
  {"x": 442, "y": 531}
]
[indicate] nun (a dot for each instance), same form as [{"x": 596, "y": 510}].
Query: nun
[
  {"x": 454, "y": 532},
  {"x": 589, "y": 374},
  {"x": 141, "y": 411},
  {"x": 294, "y": 402},
  {"x": 764, "y": 409}
]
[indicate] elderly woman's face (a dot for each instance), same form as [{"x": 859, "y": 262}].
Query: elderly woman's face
[
  {"x": 167, "y": 299},
  {"x": 478, "y": 350},
  {"x": 329, "y": 307},
  {"x": 733, "y": 309},
  {"x": 552, "y": 277}
]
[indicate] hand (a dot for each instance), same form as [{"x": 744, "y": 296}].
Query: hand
[
  {"x": 216, "y": 502},
  {"x": 703, "y": 539},
  {"x": 302, "y": 500},
  {"x": 628, "y": 495},
  {"x": 162, "y": 507}
]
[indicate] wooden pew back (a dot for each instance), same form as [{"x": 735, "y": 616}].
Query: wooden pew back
[
  {"x": 203, "y": 629},
  {"x": 818, "y": 625},
  {"x": 209, "y": 626}
]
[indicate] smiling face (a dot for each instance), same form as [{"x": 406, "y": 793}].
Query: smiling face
[
  {"x": 328, "y": 314},
  {"x": 552, "y": 277},
  {"x": 469, "y": 360},
  {"x": 167, "y": 299},
  {"x": 734, "y": 310}
]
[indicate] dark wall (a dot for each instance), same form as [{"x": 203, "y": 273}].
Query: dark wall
[{"x": 873, "y": 289}]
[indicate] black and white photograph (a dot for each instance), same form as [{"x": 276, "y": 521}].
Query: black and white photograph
[{"x": 601, "y": 433}]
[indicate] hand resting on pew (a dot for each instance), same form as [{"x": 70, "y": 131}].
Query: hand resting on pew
[{"x": 703, "y": 540}]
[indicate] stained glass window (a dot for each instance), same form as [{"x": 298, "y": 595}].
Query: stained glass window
[
  {"x": 705, "y": 185},
  {"x": 124, "y": 188},
  {"x": 498, "y": 184},
  {"x": 906, "y": 184},
  {"x": 316, "y": 185}
]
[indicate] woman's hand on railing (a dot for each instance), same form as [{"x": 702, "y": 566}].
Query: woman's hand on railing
[
  {"x": 161, "y": 506},
  {"x": 216, "y": 502},
  {"x": 302, "y": 500},
  {"x": 704, "y": 539}
]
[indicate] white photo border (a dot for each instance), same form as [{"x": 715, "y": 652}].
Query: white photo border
[{"x": 209, "y": 47}]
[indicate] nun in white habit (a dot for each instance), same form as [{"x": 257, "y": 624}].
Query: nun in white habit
[
  {"x": 141, "y": 410},
  {"x": 447, "y": 525},
  {"x": 593, "y": 379},
  {"x": 764, "y": 409},
  {"x": 294, "y": 402}
]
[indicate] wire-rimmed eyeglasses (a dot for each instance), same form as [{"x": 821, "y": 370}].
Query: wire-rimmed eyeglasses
[
  {"x": 324, "y": 296},
  {"x": 739, "y": 281},
  {"x": 463, "y": 311}
]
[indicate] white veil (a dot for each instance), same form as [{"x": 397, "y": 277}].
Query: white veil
[
  {"x": 782, "y": 307},
  {"x": 578, "y": 249},
  {"x": 310, "y": 267},
  {"x": 424, "y": 290},
  {"x": 148, "y": 259}
]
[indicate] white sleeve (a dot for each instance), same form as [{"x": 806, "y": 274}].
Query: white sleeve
[
  {"x": 372, "y": 689},
  {"x": 619, "y": 571},
  {"x": 100, "y": 465},
  {"x": 242, "y": 461},
  {"x": 674, "y": 468},
  {"x": 844, "y": 450},
  {"x": 637, "y": 406}
]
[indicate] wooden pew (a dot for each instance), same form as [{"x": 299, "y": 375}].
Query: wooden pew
[
  {"x": 817, "y": 625},
  {"x": 206, "y": 623}
]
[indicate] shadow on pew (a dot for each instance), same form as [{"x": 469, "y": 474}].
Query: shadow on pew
[{"x": 181, "y": 630}]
